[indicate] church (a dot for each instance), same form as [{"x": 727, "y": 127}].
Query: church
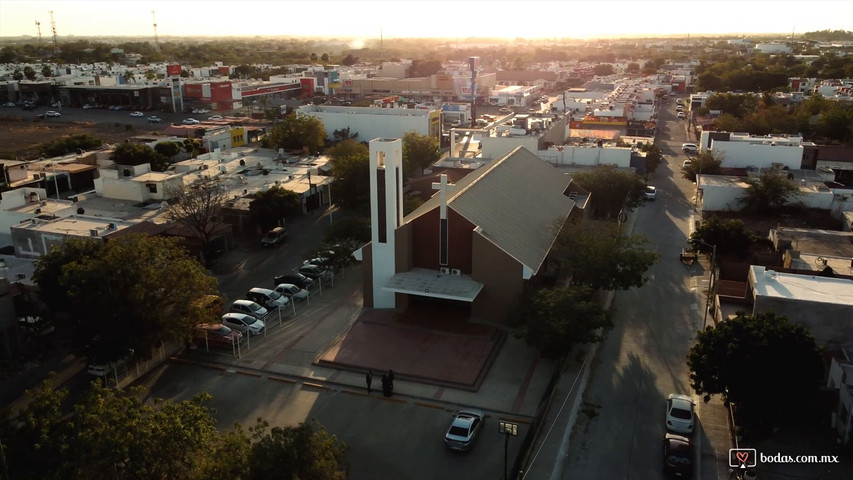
[{"x": 474, "y": 245}]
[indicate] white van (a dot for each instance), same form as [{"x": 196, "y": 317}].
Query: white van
[{"x": 267, "y": 298}]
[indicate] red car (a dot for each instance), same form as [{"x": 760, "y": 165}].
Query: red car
[
  {"x": 217, "y": 335},
  {"x": 677, "y": 456}
]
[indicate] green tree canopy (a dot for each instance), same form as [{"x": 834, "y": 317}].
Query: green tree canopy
[
  {"x": 351, "y": 168},
  {"x": 424, "y": 68},
  {"x": 724, "y": 359},
  {"x": 129, "y": 153},
  {"x": 705, "y": 162},
  {"x": 131, "y": 293},
  {"x": 654, "y": 156},
  {"x": 168, "y": 149},
  {"x": 611, "y": 189},
  {"x": 305, "y": 452},
  {"x": 70, "y": 144},
  {"x": 728, "y": 235},
  {"x": 271, "y": 206},
  {"x": 598, "y": 254},
  {"x": 556, "y": 319},
  {"x": 419, "y": 152},
  {"x": 296, "y": 131},
  {"x": 769, "y": 193},
  {"x": 603, "y": 69}
]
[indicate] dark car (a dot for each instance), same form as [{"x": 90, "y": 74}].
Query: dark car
[
  {"x": 297, "y": 279},
  {"x": 315, "y": 272},
  {"x": 677, "y": 456}
]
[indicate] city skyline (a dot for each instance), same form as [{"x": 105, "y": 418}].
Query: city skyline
[{"x": 419, "y": 19}]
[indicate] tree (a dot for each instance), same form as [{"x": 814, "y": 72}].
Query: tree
[
  {"x": 555, "y": 319},
  {"x": 633, "y": 67},
  {"x": 69, "y": 144},
  {"x": 769, "y": 193},
  {"x": 425, "y": 68},
  {"x": 271, "y": 206},
  {"x": 198, "y": 207},
  {"x": 129, "y": 153},
  {"x": 29, "y": 73},
  {"x": 349, "y": 230},
  {"x": 419, "y": 151},
  {"x": 351, "y": 168},
  {"x": 168, "y": 149},
  {"x": 611, "y": 189},
  {"x": 17, "y": 75},
  {"x": 603, "y": 69},
  {"x": 128, "y": 294},
  {"x": 654, "y": 156},
  {"x": 324, "y": 58},
  {"x": 705, "y": 162},
  {"x": 296, "y": 132},
  {"x": 793, "y": 370},
  {"x": 46, "y": 72},
  {"x": 349, "y": 60},
  {"x": 305, "y": 452},
  {"x": 728, "y": 235},
  {"x": 598, "y": 254}
]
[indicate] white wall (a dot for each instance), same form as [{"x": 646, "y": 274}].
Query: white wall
[
  {"x": 494, "y": 147},
  {"x": 371, "y": 126},
  {"x": 589, "y": 156},
  {"x": 643, "y": 112},
  {"x": 121, "y": 189},
  {"x": 743, "y": 154}
]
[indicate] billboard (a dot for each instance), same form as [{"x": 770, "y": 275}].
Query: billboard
[{"x": 173, "y": 70}]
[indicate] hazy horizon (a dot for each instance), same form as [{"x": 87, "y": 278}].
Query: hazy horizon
[{"x": 460, "y": 20}]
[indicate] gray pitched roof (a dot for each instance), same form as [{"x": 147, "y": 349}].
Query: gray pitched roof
[{"x": 515, "y": 201}]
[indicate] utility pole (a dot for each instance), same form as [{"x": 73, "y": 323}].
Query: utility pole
[
  {"x": 38, "y": 27},
  {"x": 53, "y": 29},
  {"x": 156, "y": 40}
]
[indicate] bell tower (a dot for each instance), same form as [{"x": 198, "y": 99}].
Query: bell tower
[{"x": 386, "y": 213}]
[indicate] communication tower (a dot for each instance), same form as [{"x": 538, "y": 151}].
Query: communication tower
[
  {"x": 38, "y": 27},
  {"x": 156, "y": 40},
  {"x": 53, "y": 29}
]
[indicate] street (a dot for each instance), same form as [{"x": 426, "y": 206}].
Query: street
[{"x": 620, "y": 424}]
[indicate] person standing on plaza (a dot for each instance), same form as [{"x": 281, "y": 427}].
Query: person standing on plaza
[
  {"x": 369, "y": 379},
  {"x": 391, "y": 379}
]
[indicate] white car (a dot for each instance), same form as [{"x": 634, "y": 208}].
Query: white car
[
  {"x": 215, "y": 117},
  {"x": 51, "y": 113},
  {"x": 249, "y": 308},
  {"x": 137, "y": 114},
  {"x": 88, "y": 106},
  {"x": 650, "y": 193},
  {"x": 154, "y": 119},
  {"x": 190, "y": 121},
  {"x": 243, "y": 323},
  {"x": 463, "y": 429},
  {"x": 689, "y": 147},
  {"x": 681, "y": 115},
  {"x": 293, "y": 292},
  {"x": 679, "y": 413}
]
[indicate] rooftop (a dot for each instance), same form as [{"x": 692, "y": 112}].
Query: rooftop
[{"x": 809, "y": 288}]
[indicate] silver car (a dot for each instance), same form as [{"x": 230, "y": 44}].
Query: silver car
[
  {"x": 464, "y": 428},
  {"x": 243, "y": 323}
]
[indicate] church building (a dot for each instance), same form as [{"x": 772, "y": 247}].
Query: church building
[{"x": 474, "y": 244}]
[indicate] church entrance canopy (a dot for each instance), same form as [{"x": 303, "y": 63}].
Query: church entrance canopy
[{"x": 431, "y": 283}]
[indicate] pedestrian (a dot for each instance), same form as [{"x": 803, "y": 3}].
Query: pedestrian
[
  {"x": 386, "y": 386},
  {"x": 391, "y": 378},
  {"x": 369, "y": 379}
]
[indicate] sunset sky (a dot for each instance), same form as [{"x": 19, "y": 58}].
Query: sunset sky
[{"x": 451, "y": 19}]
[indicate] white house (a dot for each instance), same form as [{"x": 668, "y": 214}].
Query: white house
[
  {"x": 373, "y": 122},
  {"x": 136, "y": 183}
]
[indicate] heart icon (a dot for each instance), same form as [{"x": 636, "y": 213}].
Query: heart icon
[{"x": 742, "y": 457}]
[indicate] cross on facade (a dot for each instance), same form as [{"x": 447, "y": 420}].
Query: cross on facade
[{"x": 443, "y": 187}]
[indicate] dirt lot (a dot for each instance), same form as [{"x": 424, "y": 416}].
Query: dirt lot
[{"x": 21, "y": 139}]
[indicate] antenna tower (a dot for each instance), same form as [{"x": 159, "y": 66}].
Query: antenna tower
[
  {"x": 156, "y": 40},
  {"x": 38, "y": 26},
  {"x": 53, "y": 29}
]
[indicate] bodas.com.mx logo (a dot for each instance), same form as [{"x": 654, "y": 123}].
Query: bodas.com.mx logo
[{"x": 742, "y": 457}]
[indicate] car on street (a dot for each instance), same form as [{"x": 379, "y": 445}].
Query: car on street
[
  {"x": 10, "y": 104},
  {"x": 51, "y": 113},
  {"x": 293, "y": 292},
  {"x": 687, "y": 163},
  {"x": 679, "y": 413},
  {"x": 154, "y": 119},
  {"x": 679, "y": 102},
  {"x": 190, "y": 121},
  {"x": 249, "y": 308},
  {"x": 681, "y": 115},
  {"x": 504, "y": 110},
  {"x": 217, "y": 334},
  {"x": 689, "y": 147},
  {"x": 215, "y": 117},
  {"x": 650, "y": 193},
  {"x": 677, "y": 456},
  {"x": 274, "y": 237},
  {"x": 315, "y": 272},
  {"x": 200, "y": 110},
  {"x": 28, "y": 106},
  {"x": 243, "y": 323},
  {"x": 295, "y": 278},
  {"x": 88, "y": 106},
  {"x": 464, "y": 428},
  {"x": 137, "y": 114}
]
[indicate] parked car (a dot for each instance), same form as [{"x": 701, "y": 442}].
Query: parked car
[
  {"x": 10, "y": 104},
  {"x": 274, "y": 237},
  {"x": 463, "y": 430},
  {"x": 689, "y": 147},
  {"x": 51, "y": 113},
  {"x": 269, "y": 299},
  {"x": 650, "y": 193},
  {"x": 677, "y": 456},
  {"x": 154, "y": 119},
  {"x": 687, "y": 163},
  {"x": 297, "y": 279},
  {"x": 243, "y": 323},
  {"x": 217, "y": 335},
  {"x": 315, "y": 272},
  {"x": 249, "y": 308},
  {"x": 681, "y": 115},
  {"x": 679, "y": 413},
  {"x": 28, "y": 106},
  {"x": 215, "y": 117},
  {"x": 292, "y": 292},
  {"x": 137, "y": 114},
  {"x": 190, "y": 121}
]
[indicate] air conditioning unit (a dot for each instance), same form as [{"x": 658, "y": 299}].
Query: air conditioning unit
[
  {"x": 43, "y": 203},
  {"x": 112, "y": 226},
  {"x": 93, "y": 232},
  {"x": 444, "y": 271},
  {"x": 456, "y": 271}
]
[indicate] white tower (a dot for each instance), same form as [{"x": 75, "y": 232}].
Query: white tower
[{"x": 386, "y": 213}]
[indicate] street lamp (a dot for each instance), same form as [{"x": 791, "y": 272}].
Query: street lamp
[
  {"x": 508, "y": 429},
  {"x": 711, "y": 280}
]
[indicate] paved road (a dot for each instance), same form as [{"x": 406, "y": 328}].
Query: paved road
[{"x": 620, "y": 426}]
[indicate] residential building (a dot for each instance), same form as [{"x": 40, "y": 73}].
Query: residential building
[{"x": 374, "y": 122}]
